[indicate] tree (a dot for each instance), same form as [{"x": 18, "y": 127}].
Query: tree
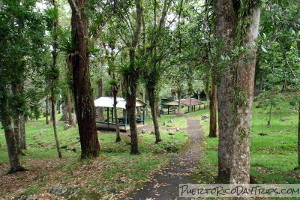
[
  {"x": 22, "y": 34},
  {"x": 132, "y": 76},
  {"x": 79, "y": 67},
  {"x": 114, "y": 83},
  {"x": 153, "y": 66},
  {"x": 54, "y": 75},
  {"x": 237, "y": 28}
]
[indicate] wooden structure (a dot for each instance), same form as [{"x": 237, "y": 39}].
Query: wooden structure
[
  {"x": 191, "y": 102},
  {"x": 171, "y": 104},
  {"x": 108, "y": 103}
]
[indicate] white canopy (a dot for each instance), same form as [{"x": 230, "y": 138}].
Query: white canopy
[{"x": 108, "y": 102}]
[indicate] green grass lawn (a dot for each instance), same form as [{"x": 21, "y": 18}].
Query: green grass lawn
[
  {"x": 273, "y": 156},
  {"x": 170, "y": 121},
  {"x": 115, "y": 171}
]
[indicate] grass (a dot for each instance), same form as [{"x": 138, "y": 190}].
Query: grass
[
  {"x": 273, "y": 156},
  {"x": 115, "y": 171},
  {"x": 170, "y": 121}
]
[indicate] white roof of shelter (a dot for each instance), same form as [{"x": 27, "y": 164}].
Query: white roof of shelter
[
  {"x": 172, "y": 103},
  {"x": 108, "y": 102}
]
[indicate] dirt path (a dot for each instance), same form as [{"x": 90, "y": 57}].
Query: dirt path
[{"x": 179, "y": 171}]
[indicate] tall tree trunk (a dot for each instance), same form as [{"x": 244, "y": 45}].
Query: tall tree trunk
[
  {"x": 13, "y": 156},
  {"x": 53, "y": 113},
  {"x": 151, "y": 94},
  {"x": 16, "y": 90},
  {"x": 235, "y": 94},
  {"x": 213, "y": 130},
  {"x": 65, "y": 116},
  {"x": 226, "y": 23},
  {"x": 130, "y": 107},
  {"x": 47, "y": 110},
  {"x": 80, "y": 69},
  {"x": 299, "y": 135},
  {"x": 179, "y": 103},
  {"x": 240, "y": 173},
  {"x": 118, "y": 137},
  {"x": 115, "y": 92},
  {"x": 69, "y": 105},
  {"x": 270, "y": 115},
  {"x": 225, "y": 117},
  {"x": 22, "y": 132},
  {"x": 132, "y": 77},
  {"x": 54, "y": 78},
  {"x": 17, "y": 131},
  {"x": 100, "y": 91},
  {"x": 157, "y": 106}
]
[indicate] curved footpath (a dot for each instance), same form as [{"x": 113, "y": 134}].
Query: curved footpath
[{"x": 165, "y": 185}]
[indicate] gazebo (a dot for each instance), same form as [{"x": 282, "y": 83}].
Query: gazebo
[
  {"x": 185, "y": 102},
  {"x": 171, "y": 104},
  {"x": 108, "y": 103},
  {"x": 191, "y": 102}
]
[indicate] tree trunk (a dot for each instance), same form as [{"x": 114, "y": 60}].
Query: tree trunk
[
  {"x": 131, "y": 79},
  {"x": 151, "y": 94},
  {"x": 64, "y": 111},
  {"x": 16, "y": 90},
  {"x": 130, "y": 107},
  {"x": 54, "y": 78},
  {"x": 13, "y": 156},
  {"x": 17, "y": 131},
  {"x": 299, "y": 135},
  {"x": 69, "y": 105},
  {"x": 270, "y": 116},
  {"x": 235, "y": 93},
  {"x": 100, "y": 91},
  {"x": 47, "y": 110},
  {"x": 240, "y": 173},
  {"x": 53, "y": 113},
  {"x": 225, "y": 30},
  {"x": 213, "y": 130},
  {"x": 179, "y": 114},
  {"x": 157, "y": 102},
  {"x": 115, "y": 92},
  {"x": 22, "y": 132},
  {"x": 225, "y": 118},
  {"x": 80, "y": 69}
]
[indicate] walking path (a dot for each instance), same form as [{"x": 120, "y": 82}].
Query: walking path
[{"x": 165, "y": 185}]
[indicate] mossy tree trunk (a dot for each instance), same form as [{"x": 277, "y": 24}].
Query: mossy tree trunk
[
  {"x": 213, "y": 129},
  {"x": 115, "y": 92},
  {"x": 151, "y": 95},
  {"x": 131, "y": 78},
  {"x": 299, "y": 135},
  {"x": 47, "y": 110},
  {"x": 22, "y": 132},
  {"x": 80, "y": 70},
  {"x": 12, "y": 148},
  {"x": 69, "y": 108},
  {"x": 236, "y": 86},
  {"x": 100, "y": 91}
]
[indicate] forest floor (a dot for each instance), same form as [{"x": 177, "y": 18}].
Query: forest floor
[
  {"x": 180, "y": 169},
  {"x": 111, "y": 176}
]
